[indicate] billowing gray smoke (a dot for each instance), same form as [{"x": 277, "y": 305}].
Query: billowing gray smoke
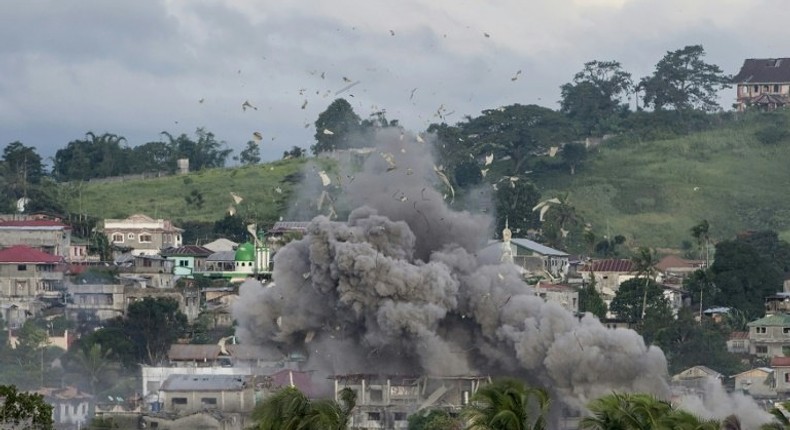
[{"x": 399, "y": 287}]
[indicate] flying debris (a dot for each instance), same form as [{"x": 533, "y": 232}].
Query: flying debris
[
  {"x": 486, "y": 35},
  {"x": 420, "y": 139},
  {"x": 544, "y": 206},
  {"x": 553, "y": 151},
  {"x": 236, "y": 198},
  {"x": 392, "y": 32},
  {"x": 323, "y": 75},
  {"x": 390, "y": 159},
  {"x": 409, "y": 172},
  {"x": 201, "y": 100},
  {"x": 484, "y": 172},
  {"x": 246, "y": 105},
  {"x": 345, "y": 79},
  {"x": 304, "y": 105},
  {"x": 489, "y": 159},
  {"x": 257, "y": 136},
  {"x": 326, "y": 131},
  {"x": 347, "y": 87},
  {"x": 444, "y": 179},
  {"x": 278, "y": 190},
  {"x": 324, "y": 178},
  {"x": 413, "y": 90},
  {"x": 515, "y": 76}
]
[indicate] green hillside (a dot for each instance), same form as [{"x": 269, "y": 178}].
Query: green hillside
[
  {"x": 165, "y": 197},
  {"x": 653, "y": 192}
]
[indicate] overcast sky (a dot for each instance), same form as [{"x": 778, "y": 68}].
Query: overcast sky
[{"x": 137, "y": 68}]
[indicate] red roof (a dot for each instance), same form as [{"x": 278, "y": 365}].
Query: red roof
[
  {"x": 675, "y": 262},
  {"x": 780, "y": 362},
  {"x": 33, "y": 223},
  {"x": 26, "y": 254},
  {"x": 738, "y": 335},
  {"x": 610, "y": 265}
]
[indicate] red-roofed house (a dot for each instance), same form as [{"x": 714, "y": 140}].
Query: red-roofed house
[
  {"x": 781, "y": 366},
  {"x": 738, "y": 343},
  {"x": 609, "y": 274},
  {"x": 673, "y": 267},
  {"x": 52, "y": 237},
  {"x": 27, "y": 275}
]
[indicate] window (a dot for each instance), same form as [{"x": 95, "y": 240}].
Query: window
[
  {"x": 776, "y": 88},
  {"x": 786, "y": 330},
  {"x": 130, "y": 236},
  {"x": 208, "y": 401},
  {"x": 117, "y": 237},
  {"x": 183, "y": 263},
  {"x": 399, "y": 416},
  {"x": 761, "y": 330},
  {"x": 145, "y": 238},
  {"x": 756, "y": 88},
  {"x": 376, "y": 395},
  {"x": 761, "y": 349},
  {"x": 787, "y": 377},
  {"x": 176, "y": 401},
  {"x": 374, "y": 416},
  {"x": 146, "y": 262},
  {"x": 21, "y": 267}
]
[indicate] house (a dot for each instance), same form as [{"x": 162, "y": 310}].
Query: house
[
  {"x": 151, "y": 270},
  {"x": 205, "y": 420},
  {"x": 386, "y": 401},
  {"x": 758, "y": 383},
  {"x": 676, "y": 297},
  {"x": 71, "y": 408},
  {"x": 532, "y": 257},
  {"x": 674, "y": 269},
  {"x": 142, "y": 234},
  {"x": 695, "y": 378},
  {"x": 738, "y": 343},
  {"x": 717, "y": 313},
  {"x": 770, "y": 336},
  {"x": 193, "y": 393},
  {"x": 565, "y": 295},
  {"x": 779, "y": 303},
  {"x": 52, "y": 237},
  {"x": 763, "y": 82},
  {"x": 107, "y": 301},
  {"x": 28, "y": 279},
  {"x": 781, "y": 367},
  {"x": 608, "y": 275},
  {"x": 187, "y": 259},
  {"x": 221, "y": 245}
]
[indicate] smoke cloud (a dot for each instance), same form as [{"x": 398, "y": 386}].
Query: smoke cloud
[{"x": 399, "y": 288}]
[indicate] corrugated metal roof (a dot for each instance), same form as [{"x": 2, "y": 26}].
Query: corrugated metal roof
[
  {"x": 537, "y": 247},
  {"x": 188, "y": 251},
  {"x": 181, "y": 352},
  {"x": 33, "y": 223},
  {"x": 26, "y": 254},
  {"x": 284, "y": 226},
  {"x": 779, "y": 320},
  {"x": 205, "y": 383},
  {"x": 780, "y": 362},
  {"x": 610, "y": 265}
]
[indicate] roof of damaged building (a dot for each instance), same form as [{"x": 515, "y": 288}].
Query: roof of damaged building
[
  {"x": 764, "y": 70},
  {"x": 205, "y": 383}
]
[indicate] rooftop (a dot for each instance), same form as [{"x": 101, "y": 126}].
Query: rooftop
[
  {"x": 764, "y": 70},
  {"x": 780, "y": 362},
  {"x": 205, "y": 383},
  {"x": 26, "y": 254},
  {"x": 43, "y": 224},
  {"x": 610, "y": 265},
  {"x": 537, "y": 247},
  {"x": 675, "y": 262},
  {"x": 778, "y": 320},
  {"x": 187, "y": 251}
]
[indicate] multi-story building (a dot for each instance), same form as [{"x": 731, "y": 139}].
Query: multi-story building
[
  {"x": 52, "y": 237},
  {"x": 142, "y": 234},
  {"x": 770, "y": 336},
  {"x": 764, "y": 83},
  {"x": 29, "y": 278}
]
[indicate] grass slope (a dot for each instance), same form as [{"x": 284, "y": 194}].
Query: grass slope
[
  {"x": 165, "y": 197},
  {"x": 653, "y": 192}
]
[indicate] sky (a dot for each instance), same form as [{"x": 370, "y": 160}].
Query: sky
[{"x": 138, "y": 68}]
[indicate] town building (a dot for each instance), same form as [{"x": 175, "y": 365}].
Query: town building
[
  {"x": 107, "y": 301},
  {"x": 188, "y": 259},
  {"x": 564, "y": 295},
  {"x": 193, "y": 393},
  {"x": 757, "y": 383},
  {"x": 770, "y": 336},
  {"x": 52, "y": 237},
  {"x": 30, "y": 280},
  {"x": 149, "y": 271},
  {"x": 142, "y": 234},
  {"x": 763, "y": 83},
  {"x": 738, "y": 342},
  {"x": 71, "y": 408}
]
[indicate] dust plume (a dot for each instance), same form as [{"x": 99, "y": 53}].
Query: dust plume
[{"x": 398, "y": 287}]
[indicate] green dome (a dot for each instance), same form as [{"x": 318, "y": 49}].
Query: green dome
[{"x": 245, "y": 252}]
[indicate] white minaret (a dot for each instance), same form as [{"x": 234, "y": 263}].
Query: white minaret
[{"x": 507, "y": 251}]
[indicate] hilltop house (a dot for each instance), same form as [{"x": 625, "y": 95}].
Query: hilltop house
[
  {"x": 28, "y": 278},
  {"x": 52, "y": 237},
  {"x": 142, "y": 234},
  {"x": 763, "y": 82}
]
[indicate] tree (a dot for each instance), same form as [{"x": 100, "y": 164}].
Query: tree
[
  {"x": 95, "y": 156},
  {"x": 700, "y": 284},
  {"x": 92, "y": 361},
  {"x": 518, "y": 132},
  {"x": 153, "y": 324},
  {"x": 508, "y": 404},
  {"x": 295, "y": 152},
  {"x": 153, "y": 157},
  {"x": 683, "y": 81},
  {"x": 701, "y": 233},
  {"x": 231, "y": 227},
  {"x": 595, "y": 96},
  {"x": 637, "y": 297},
  {"x": 24, "y": 410},
  {"x": 336, "y": 128},
  {"x": 590, "y": 300},
  {"x": 436, "y": 419},
  {"x": 251, "y": 154},
  {"x": 645, "y": 266},
  {"x": 204, "y": 153},
  {"x": 514, "y": 203},
  {"x": 573, "y": 154},
  {"x": 467, "y": 174},
  {"x": 290, "y": 409},
  {"x": 638, "y": 411},
  {"x": 21, "y": 168}
]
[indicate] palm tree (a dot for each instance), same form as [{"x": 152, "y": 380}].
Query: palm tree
[
  {"x": 93, "y": 362},
  {"x": 781, "y": 418},
  {"x": 508, "y": 404},
  {"x": 701, "y": 232},
  {"x": 618, "y": 411},
  {"x": 290, "y": 409},
  {"x": 644, "y": 266}
]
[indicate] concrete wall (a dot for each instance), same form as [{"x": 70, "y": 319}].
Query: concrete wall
[
  {"x": 53, "y": 240},
  {"x": 226, "y": 401}
]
